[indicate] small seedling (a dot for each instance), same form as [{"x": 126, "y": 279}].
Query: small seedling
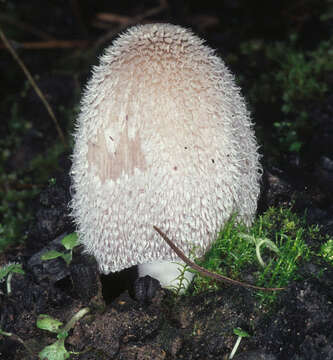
[
  {"x": 240, "y": 333},
  {"x": 57, "y": 350},
  {"x": 8, "y": 271},
  {"x": 69, "y": 242},
  {"x": 182, "y": 281}
]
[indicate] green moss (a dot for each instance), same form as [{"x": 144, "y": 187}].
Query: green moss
[
  {"x": 326, "y": 251},
  {"x": 234, "y": 252}
]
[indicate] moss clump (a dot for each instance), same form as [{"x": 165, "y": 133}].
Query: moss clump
[{"x": 235, "y": 254}]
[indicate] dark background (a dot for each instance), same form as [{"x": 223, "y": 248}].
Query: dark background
[{"x": 280, "y": 52}]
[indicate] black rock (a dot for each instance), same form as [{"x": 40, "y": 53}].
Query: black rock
[
  {"x": 50, "y": 270},
  {"x": 145, "y": 289},
  {"x": 52, "y": 214},
  {"x": 85, "y": 278}
]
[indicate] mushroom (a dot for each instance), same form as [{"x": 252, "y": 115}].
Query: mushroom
[{"x": 163, "y": 139}]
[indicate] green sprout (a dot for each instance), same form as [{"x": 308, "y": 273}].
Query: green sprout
[
  {"x": 7, "y": 271},
  {"x": 69, "y": 242},
  {"x": 240, "y": 333},
  {"x": 57, "y": 350}
]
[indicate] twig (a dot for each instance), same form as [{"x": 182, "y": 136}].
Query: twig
[
  {"x": 205, "y": 272},
  {"x": 34, "y": 85},
  {"x": 131, "y": 21},
  {"x": 14, "y": 185},
  {"x": 114, "y": 18},
  {"x": 51, "y": 44}
]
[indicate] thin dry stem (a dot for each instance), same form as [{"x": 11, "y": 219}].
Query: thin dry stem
[
  {"x": 33, "y": 84},
  {"x": 51, "y": 44}
]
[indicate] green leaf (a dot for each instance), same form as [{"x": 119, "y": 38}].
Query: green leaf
[
  {"x": 70, "y": 241},
  {"x": 67, "y": 257},
  {"x": 295, "y": 146},
  {"x": 62, "y": 335},
  {"x": 11, "y": 268},
  {"x": 5, "y": 333},
  {"x": 56, "y": 351},
  {"x": 52, "y": 254},
  {"x": 46, "y": 322},
  {"x": 240, "y": 332}
]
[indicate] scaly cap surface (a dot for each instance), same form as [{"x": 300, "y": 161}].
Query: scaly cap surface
[{"x": 163, "y": 138}]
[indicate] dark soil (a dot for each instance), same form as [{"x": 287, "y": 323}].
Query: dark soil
[{"x": 121, "y": 325}]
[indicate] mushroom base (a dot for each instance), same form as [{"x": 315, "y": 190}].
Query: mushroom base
[{"x": 170, "y": 274}]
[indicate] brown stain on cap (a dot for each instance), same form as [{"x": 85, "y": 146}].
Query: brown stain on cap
[{"x": 127, "y": 156}]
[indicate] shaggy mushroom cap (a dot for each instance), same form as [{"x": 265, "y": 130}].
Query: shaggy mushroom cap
[{"x": 163, "y": 138}]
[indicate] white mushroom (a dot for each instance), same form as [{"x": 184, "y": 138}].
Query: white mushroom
[{"x": 163, "y": 138}]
